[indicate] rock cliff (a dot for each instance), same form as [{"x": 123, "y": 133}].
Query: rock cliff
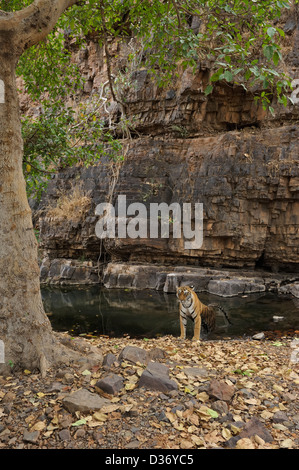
[{"x": 220, "y": 150}]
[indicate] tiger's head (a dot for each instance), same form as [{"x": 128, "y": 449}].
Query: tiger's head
[{"x": 184, "y": 292}]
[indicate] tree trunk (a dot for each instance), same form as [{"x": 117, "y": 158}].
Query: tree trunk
[{"x": 25, "y": 330}]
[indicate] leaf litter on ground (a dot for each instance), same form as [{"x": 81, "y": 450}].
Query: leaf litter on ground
[{"x": 265, "y": 385}]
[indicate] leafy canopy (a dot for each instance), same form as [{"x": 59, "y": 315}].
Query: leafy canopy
[{"x": 240, "y": 40}]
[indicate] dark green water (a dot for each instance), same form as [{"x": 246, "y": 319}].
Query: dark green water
[{"x": 118, "y": 312}]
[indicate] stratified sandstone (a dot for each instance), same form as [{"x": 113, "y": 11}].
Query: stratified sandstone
[
  {"x": 221, "y": 150},
  {"x": 248, "y": 182}
]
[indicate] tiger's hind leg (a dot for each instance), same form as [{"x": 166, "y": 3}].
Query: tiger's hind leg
[{"x": 197, "y": 328}]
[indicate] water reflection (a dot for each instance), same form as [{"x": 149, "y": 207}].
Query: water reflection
[{"x": 147, "y": 313}]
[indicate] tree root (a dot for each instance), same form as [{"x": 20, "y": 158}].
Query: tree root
[{"x": 67, "y": 351}]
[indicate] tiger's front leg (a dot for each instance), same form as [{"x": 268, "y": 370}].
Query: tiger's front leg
[
  {"x": 183, "y": 322},
  {"x": 197, "y": 327}
]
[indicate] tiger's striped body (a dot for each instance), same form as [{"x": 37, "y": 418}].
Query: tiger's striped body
[{"x": 191, "y": 307}]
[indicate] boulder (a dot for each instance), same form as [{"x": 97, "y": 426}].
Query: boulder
[
  {"x": 292, "y": 288},
  {"x": 220, "y": 406},
  {"x": 156, "y": 377},
  {"x": 111, "y": 384},
  {"x": 134, "y": 354},
  {"x": 252, "y": 428},
  {"x": 221, "y": 390},
  {"x": 109, "y": 360}
]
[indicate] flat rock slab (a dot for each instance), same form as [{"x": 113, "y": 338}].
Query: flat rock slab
[
  {"x": 195, "y": 371},
  {"x": 83, "y": 400},
  {"x": 31, "y": 437},
  {"x": 233, "y": 287},
  {"x": 156, "y": 377}
]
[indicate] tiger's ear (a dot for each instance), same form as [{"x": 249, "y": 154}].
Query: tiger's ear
[{"x": 192, "y": 287}]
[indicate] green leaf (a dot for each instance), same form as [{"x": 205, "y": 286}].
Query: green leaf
[
  {"x": 228, "y": 76},
  {"x": 208, "y": 90},
  {"x": 276, "y": 57},
  {"x": 268, "y": 51},
  {"x": 212, "y": 413},
  {"x": 248, "y": 74},
  {"x": 281, "y": 32},
  {"x": 79, "y": 422},
  {"x": 216, "y": 76},
  {"x": 271, "y": 31}
]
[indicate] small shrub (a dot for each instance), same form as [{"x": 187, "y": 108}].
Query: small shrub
[{"x": 71, "y": 206}]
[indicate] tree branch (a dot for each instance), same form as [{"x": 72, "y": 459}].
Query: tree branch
[{"x": 33, "y": 23}]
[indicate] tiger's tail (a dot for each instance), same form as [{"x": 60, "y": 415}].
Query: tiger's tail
[{"x": 222, "y": 310}]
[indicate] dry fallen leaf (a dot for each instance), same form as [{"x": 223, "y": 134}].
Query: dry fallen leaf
[
  {"x": 252, "y": 401},
  {"x": 203, "y": 413},
  {"x": 202, "y": 396},
  {"x": 109, "y": 408},
  {"x": 29, "y": 419},
  {"x": 185, "y": 444},
  {"x": 130, "y": 386},
  {"x": 198, "y": 441},
  {"x": 226, "y": 433},
  {"x": 213, "y": 437},
  {"x": 259, "y": 440},
  {"x": 39, "y": 426},
  {"x": 287, "y": 444},
  {"x": 94, "y": 424},
  {"x": 266, "y": 414},
  {"x": 51, "y": 427},
  {"x": 194, "y": 419},
  {"x": 245, "y": 443},
  {"x": 235, "y": 429},
  {"x": 171, "y": 416},
  {"x": 99, "y": 416},
  {"x": 125, "y": 408},
  {"x": 178, "y": 426}
]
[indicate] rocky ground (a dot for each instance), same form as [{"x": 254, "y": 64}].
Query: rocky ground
[{"x": 159, "y": 394}]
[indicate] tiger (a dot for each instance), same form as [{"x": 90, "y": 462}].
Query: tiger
[{"x": 202, "y": 315}]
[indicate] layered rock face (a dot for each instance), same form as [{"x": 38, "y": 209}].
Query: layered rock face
[
  {"x": 222, "y": 151},
  {"x": 247, "y": 181}
]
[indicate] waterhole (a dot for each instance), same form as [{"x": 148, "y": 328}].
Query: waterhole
[{"x": 148, "y": 314}]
